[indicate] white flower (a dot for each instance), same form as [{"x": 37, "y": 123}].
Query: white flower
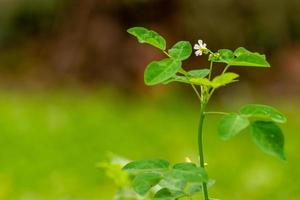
[{"x": 200, "y": 47}]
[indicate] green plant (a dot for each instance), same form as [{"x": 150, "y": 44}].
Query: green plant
[{"x": 185, "y": 180}]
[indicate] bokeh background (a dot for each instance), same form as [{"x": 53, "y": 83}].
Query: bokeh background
[{"x": 71, "y": 90}]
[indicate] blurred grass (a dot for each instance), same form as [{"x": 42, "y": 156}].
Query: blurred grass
[{"x": 50, "y": 144}]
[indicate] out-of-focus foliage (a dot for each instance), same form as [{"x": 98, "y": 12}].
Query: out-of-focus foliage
[{"x": 51, "y": 144}]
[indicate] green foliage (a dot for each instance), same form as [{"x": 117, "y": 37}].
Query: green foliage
[
  {"x": 232, "y": 124},
  {"x": 198, "y": 73},
  {"x": 147, "y": 36},
  {"x": 181, "y": 50},
  {"x": 185, "y": 179},
  {"x": 224, "y": 79},
  {"x": 268, "y": 137},
  {"x": 264, "y": 112},
  {"x": 240, "y": 57},
  {"x": 182, "y": 179},
  {"x": 160, "y": 71}
]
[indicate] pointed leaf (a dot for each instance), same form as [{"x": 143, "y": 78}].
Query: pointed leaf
[
  {"x": 160, "y": 71},
  {"x": 198, "y": 73},
  {"x": 148, "y": 36},
  {"x": 269, "y": 138},
  {"x": 232, "y": 124},
  {"x": 263, "y": 111},
  {"x": 142, "y": 183},
  {"x": 224, "y": 79},
  {"x": 181, "y": 50}
]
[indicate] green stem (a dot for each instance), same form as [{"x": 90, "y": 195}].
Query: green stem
[
  {"x": 200, "y": 145},
  {"x": 210, "y": 70},
  {"x": 216, "y": 112}
]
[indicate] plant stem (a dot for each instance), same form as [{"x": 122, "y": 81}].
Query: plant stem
[
  {"x": 216, "y": 112},
  {"x": 200, "y": 145}
]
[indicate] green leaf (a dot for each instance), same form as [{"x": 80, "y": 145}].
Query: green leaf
[
  {"x": 148, "y": 36},
  {"x": 166, "y": 194},
  {"x": 263, "y": 111},
  {"x": 240, "y": 51},
  {"x": 142, "y": 183},
  {"x": 244, "y": 57},
  {"x": 232, "y": 124},
  {"x": 198, "y": 73},
  {"x": 181, "y": 175},
  {"x": 224, "y": 79},
  {"x": 185, "y": 166},
  {"x": 181, "y": 50},
  {"x": 223, "y": 55},
  {"x": 269, "y": 138},
  {"x": 146, "y": 165},
  {"x": 177, "y": 78},
  {"x": 201, "y": 81},
  {"x": 240, "y": 57},
  {"x": 189, "y": 175},
  {"x": 160, "y": 71}
]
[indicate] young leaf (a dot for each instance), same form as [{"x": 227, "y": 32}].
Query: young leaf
[
  {"x": 160, "y": 71},
  {"x": 224, "y": 79},
  {"x": 146, "y": 165},
  {"x": 269, "y": 138},
  {"x": 201, "y": 81},
  {"x": 198, "y": 73},
  {"x": 232, "y": 124},
  {"x": 181, "y": 50},
  {"x": 263, "y": 111},
  {"x": 148, "y": 36},
  {"x": 142, "y": 183}
]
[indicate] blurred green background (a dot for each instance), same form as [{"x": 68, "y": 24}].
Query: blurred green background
[{"x": 71, "y": 90}]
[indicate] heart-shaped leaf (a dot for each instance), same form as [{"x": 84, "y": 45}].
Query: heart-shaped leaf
[
  {"x": 269, "y": 138},
  {"x": 263, "y": 111},
  {"x": 232, "y": 124},
  {"x": 160, "y": 71},
  {"x": 148, "y": 36},
  {"x": 181, "y": 50}
]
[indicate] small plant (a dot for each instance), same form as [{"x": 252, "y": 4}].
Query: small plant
[{"x": 187, "y": 179}]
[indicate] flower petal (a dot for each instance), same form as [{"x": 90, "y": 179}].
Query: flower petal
[
  {"x": 198, "y": 53},
  {"x": 197, "y": 46}
]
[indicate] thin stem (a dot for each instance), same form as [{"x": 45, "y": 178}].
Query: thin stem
[
  {"x": 193, "y": 86},
  {"x": 200, "y": 146},
  {"x": 216, "y": 112},
  {"x": 225, "y": 69},
  {"x": 166, "y": 53},
  {"x": 210, "y": 70}
]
